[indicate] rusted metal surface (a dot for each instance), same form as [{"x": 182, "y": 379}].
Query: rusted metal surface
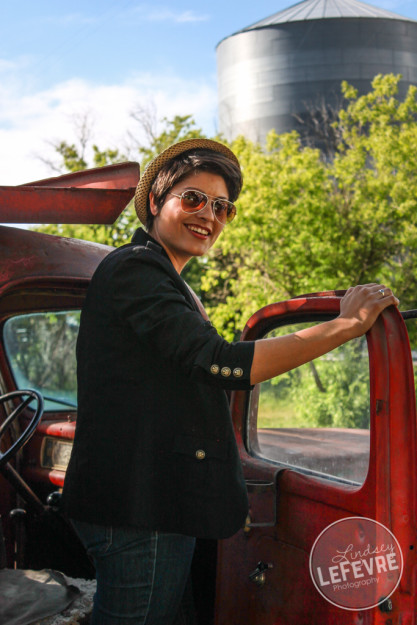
[
  {"x": 118, "y": 176},
  {"x": 96, "y": 196},
  {"x": 30, "y": 256}
]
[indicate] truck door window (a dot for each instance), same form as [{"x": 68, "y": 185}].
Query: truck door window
[
  {"x": 40, "y": 348},
  {"x": 316, "y": 417}
]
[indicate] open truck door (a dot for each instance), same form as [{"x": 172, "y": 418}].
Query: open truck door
[{"x": 330, "y": 440}]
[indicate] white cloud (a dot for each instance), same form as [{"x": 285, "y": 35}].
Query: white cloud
[
  {"x": 168, "y": 15},
  {"x": 189, "y": 16},
  {"x": 30, "y": 122},
  {"x": 7, "y": 66}
]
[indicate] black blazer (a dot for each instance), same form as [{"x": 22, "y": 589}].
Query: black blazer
[{"x": 154, "y": 445}]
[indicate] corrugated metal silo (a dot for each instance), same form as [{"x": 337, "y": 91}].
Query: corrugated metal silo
[{"x": 296, "y": 59}]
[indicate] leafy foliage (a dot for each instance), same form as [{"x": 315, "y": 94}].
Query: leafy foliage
[
  {"x": 344, "y": 398},
  {"x": 307, "y": 224},
  {"x": 331, "y": 391}
]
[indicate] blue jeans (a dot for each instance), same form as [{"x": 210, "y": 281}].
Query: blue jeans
[{"x": 141, "y": 575}]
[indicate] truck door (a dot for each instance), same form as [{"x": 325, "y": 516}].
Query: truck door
[{"x": 335, "y": 438}]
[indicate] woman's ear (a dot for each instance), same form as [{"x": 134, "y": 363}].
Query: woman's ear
[{"x": 152, "y": 204}]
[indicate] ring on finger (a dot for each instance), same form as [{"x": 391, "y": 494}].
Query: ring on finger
[{"x": 382, "y": 292}]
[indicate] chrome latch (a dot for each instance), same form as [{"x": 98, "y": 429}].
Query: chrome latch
[{"x": 258, "y": 576}]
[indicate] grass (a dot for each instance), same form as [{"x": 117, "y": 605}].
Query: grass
[{"x": 275, "y": 412}]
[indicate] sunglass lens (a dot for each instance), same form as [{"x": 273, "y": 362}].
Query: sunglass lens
[
  {"x": 193, "y": 201},
  {"x": 225, "y": 211}
]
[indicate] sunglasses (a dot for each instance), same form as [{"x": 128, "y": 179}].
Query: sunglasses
[{"x": 195, "y": 201}]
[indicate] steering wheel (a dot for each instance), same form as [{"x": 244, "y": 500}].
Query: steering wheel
[{"x": 25, "y": 436}]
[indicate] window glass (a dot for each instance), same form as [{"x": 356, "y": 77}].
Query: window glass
[
  {"x": 316, "y": 417},
  {"x": 41, "y": 351}
]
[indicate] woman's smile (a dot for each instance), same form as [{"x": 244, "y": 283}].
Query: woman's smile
[
  {"x": 199, "y": 231},
  {"x": 184, "y": 235}
]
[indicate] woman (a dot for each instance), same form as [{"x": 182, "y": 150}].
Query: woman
[{"x": 155, "y": 463}]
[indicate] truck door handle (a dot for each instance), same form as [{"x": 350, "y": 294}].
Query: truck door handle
[{"x": 258, "y": 576}]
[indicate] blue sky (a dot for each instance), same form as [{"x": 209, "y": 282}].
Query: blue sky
[{"x": 62, "y": 62}]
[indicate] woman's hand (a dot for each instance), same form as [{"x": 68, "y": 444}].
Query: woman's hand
[{"x": 362, "y": 304}]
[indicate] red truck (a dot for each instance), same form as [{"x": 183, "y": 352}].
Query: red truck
[{"x": 305, "y": 470}]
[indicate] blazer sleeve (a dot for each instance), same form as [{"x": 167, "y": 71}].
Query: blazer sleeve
[{"x": 148, "y": 297}]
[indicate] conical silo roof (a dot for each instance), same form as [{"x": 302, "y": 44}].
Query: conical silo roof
[{"x": 324, "y": 9}]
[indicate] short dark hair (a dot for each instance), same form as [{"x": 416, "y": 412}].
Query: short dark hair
[{"x": 187, "y": 163}]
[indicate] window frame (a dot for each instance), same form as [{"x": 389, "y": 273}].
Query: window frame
[{"x": 267, "y": 325}]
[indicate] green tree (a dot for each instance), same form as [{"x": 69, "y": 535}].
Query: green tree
[
  {"x": 376, "y": 175},
  {"x": 307, "y": 224},
  {"x": 332, "y": 391},
  {"x": 275, "y": 246}
]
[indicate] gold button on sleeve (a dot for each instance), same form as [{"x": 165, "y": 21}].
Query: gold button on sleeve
[
  {"x": 238, "y": 372},
  {"x": 214, "y": 369},
  {"x": 200, "y": 454},
  {"x": 226, "y": 371}
]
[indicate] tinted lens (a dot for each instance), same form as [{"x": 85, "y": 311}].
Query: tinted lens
[
  {"x": 193, "y": 201},
  {"x": 225, "y": 211}
]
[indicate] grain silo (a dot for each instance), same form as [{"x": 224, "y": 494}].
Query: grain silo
[{"x": 293, "y": 61}]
